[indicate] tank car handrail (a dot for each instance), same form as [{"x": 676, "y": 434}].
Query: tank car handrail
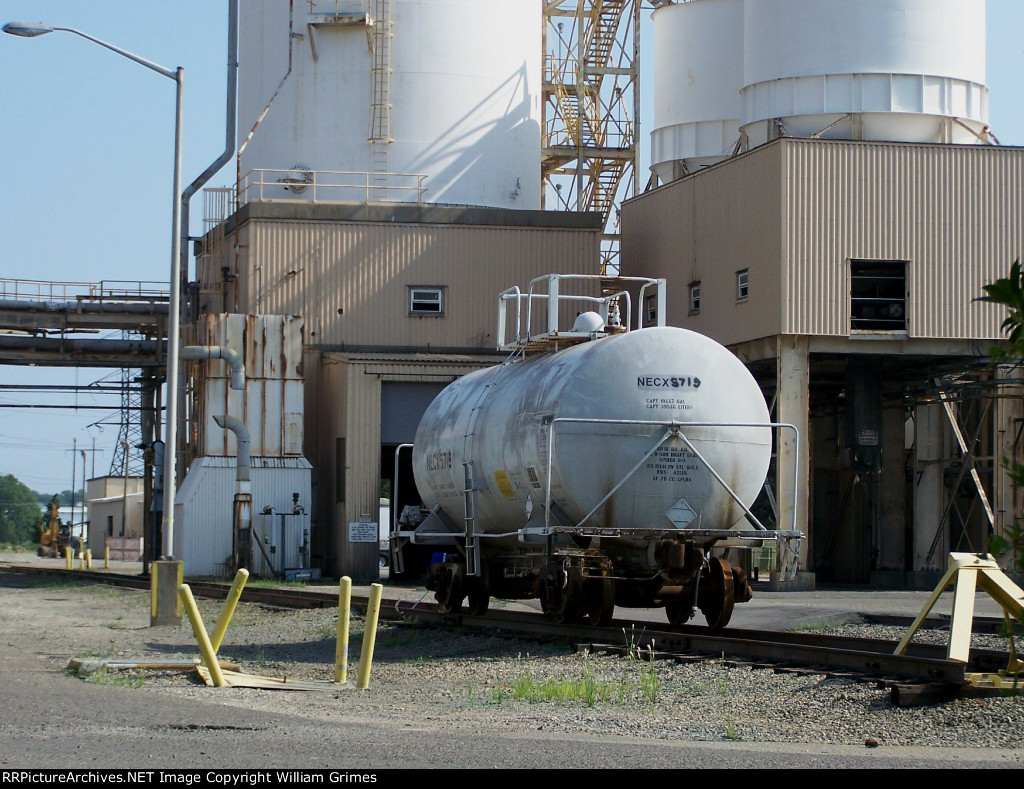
[
  {"x": 672, "y": 428},
  {"x": 553, "y": 298}
]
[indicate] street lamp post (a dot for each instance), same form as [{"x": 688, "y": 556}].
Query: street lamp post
[{"x": 33, "y": 30}]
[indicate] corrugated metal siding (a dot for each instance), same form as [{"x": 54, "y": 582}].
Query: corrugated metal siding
[
  {"x": 204, "y": 505},
  {"x": 955, "y": 213},
  {"x": 706, "y": 228},
  {"x": 797, "y": 211},
  {"x": 350, "y": 280}
]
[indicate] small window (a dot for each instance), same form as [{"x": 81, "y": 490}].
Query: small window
[
  {"x": 651, "y": 309},
  {"x": 695, "y": 297},
  {"x": 426, "y": 300},
  {"x": 878, "y": 295},
  {"x": 741, "y": 284}
]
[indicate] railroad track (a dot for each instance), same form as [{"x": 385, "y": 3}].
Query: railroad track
[{"x": 922, "y": 675}]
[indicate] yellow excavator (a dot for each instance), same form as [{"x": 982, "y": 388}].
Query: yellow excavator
[{"x": 56, "y": 536}]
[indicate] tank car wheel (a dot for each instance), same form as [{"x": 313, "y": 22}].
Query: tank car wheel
[
  {"x": 478, "y": 593},
  {"x": 452, "y": 590},
  {"x": 717, "y": 594},
  {"x": 563, "y": 601},
  {"x": 678, "y": 612},
  {"x": 599, "y": 604}
]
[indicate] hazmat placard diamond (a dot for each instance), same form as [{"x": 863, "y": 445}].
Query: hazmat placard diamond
[{"x": 681, "y": 514}]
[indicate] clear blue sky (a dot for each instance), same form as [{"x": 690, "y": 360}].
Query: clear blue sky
[{"x": 86, "y": 138}]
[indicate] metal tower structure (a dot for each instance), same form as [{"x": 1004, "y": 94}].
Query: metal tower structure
[
  {"x": 591, "y": 111},
  {"x": 124, "y": 462}
]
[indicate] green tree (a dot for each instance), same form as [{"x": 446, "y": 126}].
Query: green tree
[
  {"x": 1009, "y": 292},
  {"x": 20, "y": 515}
]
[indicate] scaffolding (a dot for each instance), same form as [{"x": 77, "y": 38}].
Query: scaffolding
[{"x": 591, "y": 111}]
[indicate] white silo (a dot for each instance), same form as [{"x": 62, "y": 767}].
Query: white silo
[
  {"x": 448, "y": 89},
  {"x": 697, "y": 78},
  {"x": 898, "y": 70}
]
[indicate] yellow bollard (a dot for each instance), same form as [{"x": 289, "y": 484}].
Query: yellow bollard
[
  {"x": 369, "y": 636},
  {"x": 205, "y": 647},
  {"x": 69, "y": 557},
  {"x": 229, "y": 608},
  {"x": 152, "y": 594},
  {"x": 341, "y": 648},
  {"x": 106, "y": 557},
  {"x": 88, "y": 558}
]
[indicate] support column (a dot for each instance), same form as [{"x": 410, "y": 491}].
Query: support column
[
  {"x": 793, "y": 458},
  {"x": 889, "y": 544},
  {"x": 929, "y": 497}
]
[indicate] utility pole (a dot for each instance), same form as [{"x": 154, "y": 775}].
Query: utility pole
[
  {"x": 74, "y": 458},
  {"x": 82, "y": 538}
]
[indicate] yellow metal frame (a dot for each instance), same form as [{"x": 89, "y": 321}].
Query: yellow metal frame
[{"x": 967, "y": 572}]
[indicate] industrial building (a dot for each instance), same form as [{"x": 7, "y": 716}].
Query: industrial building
[{"x": 831, "y": 203}]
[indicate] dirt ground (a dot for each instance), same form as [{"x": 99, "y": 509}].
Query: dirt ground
[{"x": 486, "y": 693}]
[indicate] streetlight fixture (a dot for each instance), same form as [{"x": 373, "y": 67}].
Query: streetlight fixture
[{"x": 34, "y": 30}]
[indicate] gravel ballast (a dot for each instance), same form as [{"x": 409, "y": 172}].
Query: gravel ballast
[{"x": 440, "y": 679}]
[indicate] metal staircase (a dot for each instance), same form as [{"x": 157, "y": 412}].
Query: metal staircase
[{"x": 591, "y": 104}]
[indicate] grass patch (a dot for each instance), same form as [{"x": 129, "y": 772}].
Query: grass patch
[
  {"x": 275, "y": 583},
  {"x": 649, "y": 683},
  {"x": 117, "y": 624},
  {"x": 133, "y": 678},
  {"x": 586, "y": 689}
]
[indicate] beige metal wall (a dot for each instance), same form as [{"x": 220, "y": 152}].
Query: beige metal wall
[
  {"x": 795, "y": 212},
  {"x": 955, "y": 213},
  {"x": 705, "y": 229},
  {"x": 350, "y": 279}
]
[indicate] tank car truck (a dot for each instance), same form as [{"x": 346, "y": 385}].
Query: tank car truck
[{"x": 604, "y": 463}]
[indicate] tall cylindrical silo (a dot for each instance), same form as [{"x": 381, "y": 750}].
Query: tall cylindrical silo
[
  {"x": 448, "y": 89},
  {"x": 898, "y": 70},
  {"x": 697, "y": 78}
]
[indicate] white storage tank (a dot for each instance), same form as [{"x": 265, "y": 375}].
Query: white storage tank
[
  {"x": 897, "y": 70},
  {"x": 455, "y": 85},
  {"x": 697, "y": 78}
]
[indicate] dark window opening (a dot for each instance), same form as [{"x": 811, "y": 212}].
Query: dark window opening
[
  {"x": 651, "y": 309},
  {"x": 878, "y": 295}
]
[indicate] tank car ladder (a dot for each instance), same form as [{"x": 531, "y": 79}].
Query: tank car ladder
[
  {"x": 472, "y": 541},
  {"x": 471, "y": 486}
]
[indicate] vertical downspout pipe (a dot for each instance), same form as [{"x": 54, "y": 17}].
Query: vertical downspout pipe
[
  {"x": 229, "y": 140},
  {"x": 237, "y": 426},
  {"x": 242, "y": 510}
]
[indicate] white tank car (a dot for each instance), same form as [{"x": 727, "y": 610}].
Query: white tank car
[
  {"x": 500, "y": 420},
  {"x": 595, "y": 475}
]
